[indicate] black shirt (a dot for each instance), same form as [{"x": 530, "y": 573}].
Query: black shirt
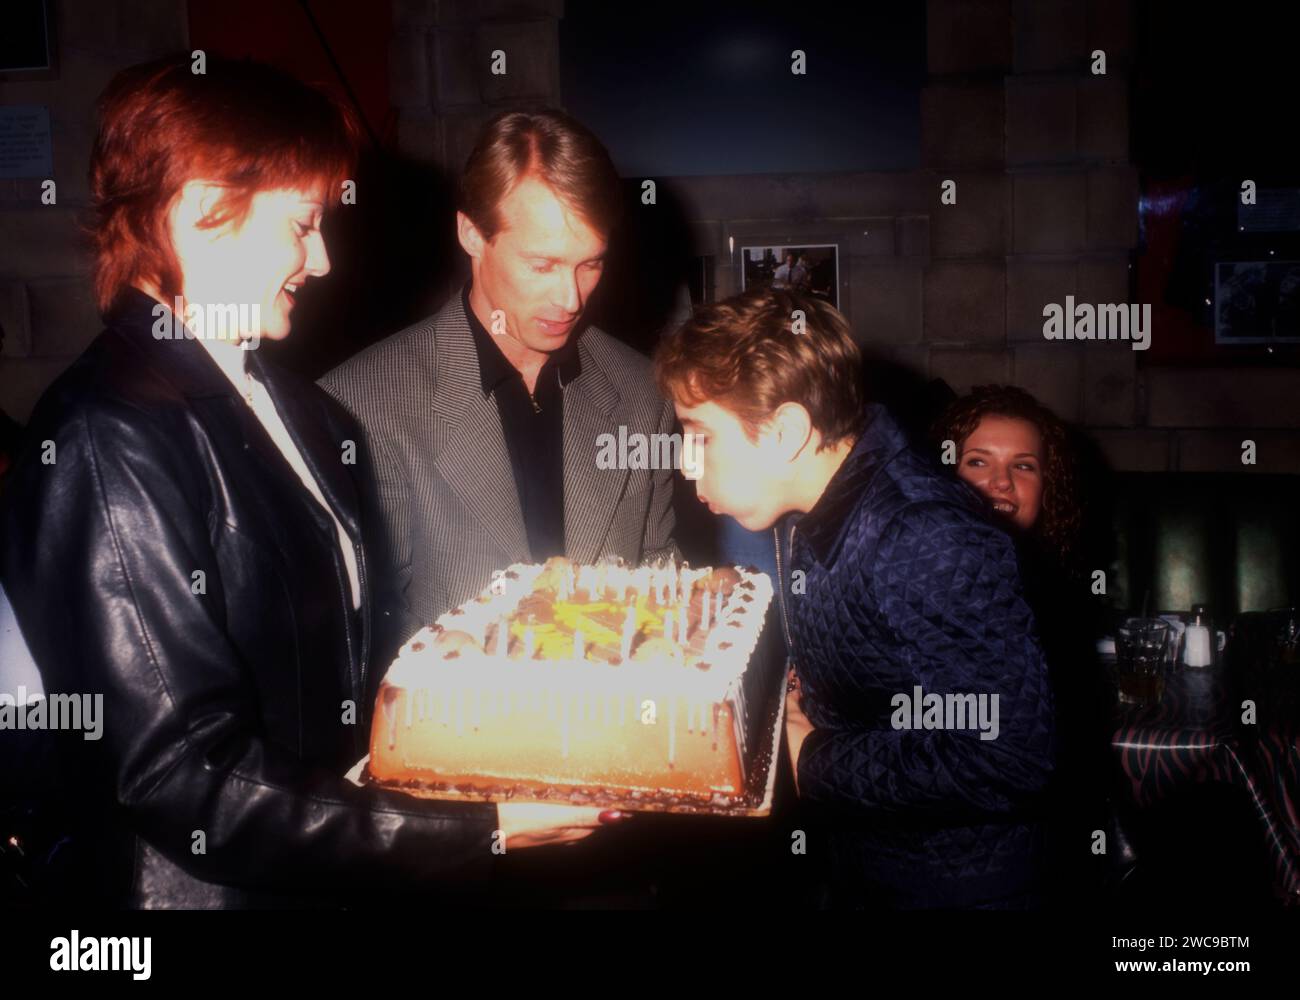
[{"x": 533, "y": 426}]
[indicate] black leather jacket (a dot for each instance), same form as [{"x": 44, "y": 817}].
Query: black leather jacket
[{"x": 218, "y": 780}]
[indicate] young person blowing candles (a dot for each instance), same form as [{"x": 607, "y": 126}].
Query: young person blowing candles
[{"x": 922, "y": 721}]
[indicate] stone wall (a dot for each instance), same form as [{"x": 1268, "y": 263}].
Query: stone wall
[
  {"x": 1047, "y": 206},
  {"x": 1047, "y": 201},
  {"x": 1038, "y": 146},
  {"x": 441, "y": 90},
  {"x": 441, "y": 83},
  {"x": 46, "y": 305}
]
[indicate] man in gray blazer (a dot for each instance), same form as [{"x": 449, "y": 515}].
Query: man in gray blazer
[{"x": 484, "y": 422}]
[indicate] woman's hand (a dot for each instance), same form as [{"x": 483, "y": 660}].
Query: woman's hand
[{"x": 797, "y": 726}]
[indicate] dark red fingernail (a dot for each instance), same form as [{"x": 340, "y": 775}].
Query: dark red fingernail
[{"x": 612, "y": 816}]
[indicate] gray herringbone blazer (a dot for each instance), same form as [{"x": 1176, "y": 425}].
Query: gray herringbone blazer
[{"x": 447, "y": 496}]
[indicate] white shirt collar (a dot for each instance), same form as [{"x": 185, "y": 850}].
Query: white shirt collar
[{"x": 229, "y": 357}]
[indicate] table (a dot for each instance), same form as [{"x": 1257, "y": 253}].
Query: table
[{"x": 1196, "y": 733}]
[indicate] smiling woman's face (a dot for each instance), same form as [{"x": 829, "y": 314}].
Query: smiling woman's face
[
  {"x": 1003, "y": 459},
  {"x": 263, "y": 262}
]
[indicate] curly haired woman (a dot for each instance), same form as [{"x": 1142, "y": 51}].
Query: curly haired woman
[{"x": 1016, "y": 453}]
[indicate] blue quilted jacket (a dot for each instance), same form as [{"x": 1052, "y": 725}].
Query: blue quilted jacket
[{"x": 906, "y": 583}]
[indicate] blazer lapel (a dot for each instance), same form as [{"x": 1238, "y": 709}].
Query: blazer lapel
[
  {"x": 592, "y": 407},
  {"x": 306, "y": 421},
  {"x": 473, "y": 459}
]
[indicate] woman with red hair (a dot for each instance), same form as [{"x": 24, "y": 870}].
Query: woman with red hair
[{"x": 182, "y": 540}]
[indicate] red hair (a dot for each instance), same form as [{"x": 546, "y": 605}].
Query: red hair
[{"x": 240, "y": 124}]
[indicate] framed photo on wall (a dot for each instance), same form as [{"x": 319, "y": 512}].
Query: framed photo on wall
[
  {"x": 1257, "y": 302},
  {"x": 812, "y": 269},
  {"x": 27, "y": 50}
]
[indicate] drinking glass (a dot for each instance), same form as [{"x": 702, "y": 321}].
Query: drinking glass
[{"x": 1140, "y": 655}]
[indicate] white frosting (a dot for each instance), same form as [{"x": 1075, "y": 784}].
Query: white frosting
[{"x": 427, "y": 672}]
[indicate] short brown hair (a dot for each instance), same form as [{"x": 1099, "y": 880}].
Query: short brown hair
[
  {"x": 743, "y": 353},
  {"x": 240, "y": 123},
  {"x": 551, "y": 146}
]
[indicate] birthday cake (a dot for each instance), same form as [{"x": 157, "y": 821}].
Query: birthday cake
[{"x": 589, "y": 681}]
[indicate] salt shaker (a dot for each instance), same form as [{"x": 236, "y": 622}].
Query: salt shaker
[{"x": 1196, "y": 640}]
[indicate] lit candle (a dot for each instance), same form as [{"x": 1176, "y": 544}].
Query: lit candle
[
  {"x": 577, "y": 645},
  {"x": 706, "y": 600},
  {"x": 668, "y": 625},
  {"x": 683, "y": 617},
  {"x": 528, "y": 642},
  {"x": 629, "y": 627},
  {"x": 503, "y": 637}
]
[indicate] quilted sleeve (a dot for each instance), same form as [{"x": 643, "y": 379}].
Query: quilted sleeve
[{"x": 947, "y": 588}]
